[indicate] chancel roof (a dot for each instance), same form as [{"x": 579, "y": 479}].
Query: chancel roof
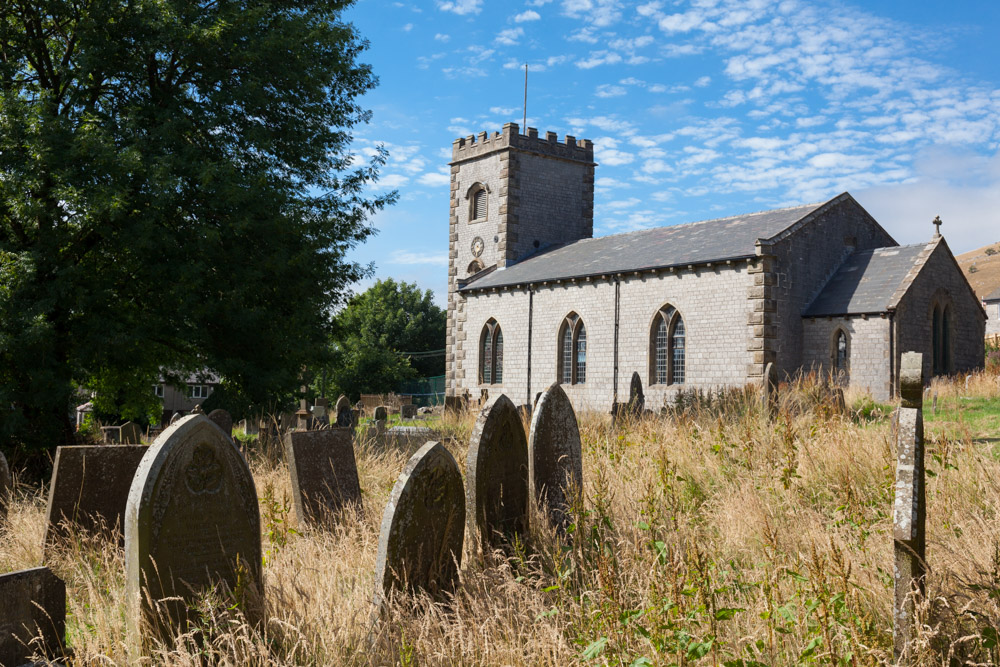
[
  {"x": 993, "y": 296},
  {"x": 693, "y": 243},
  {"x": 867, "y": 282}
]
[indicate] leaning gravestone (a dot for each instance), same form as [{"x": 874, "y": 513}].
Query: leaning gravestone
[
  {"x": 130, "y": 433},
  {"x": 5, "y": 488},
  {"x": 420, "y": 543},
  {"x": 89, "y": 489},
  {"x": 223, "y": 420},
  {"x": 496, "y": 502},
  {"x": 32, "y": 604},
  {"x": 555, "y": 462},
  {"x": 324, "y": 473},
  {"x": 910, "y": 509},
  {"x": 192, "y": 524}
]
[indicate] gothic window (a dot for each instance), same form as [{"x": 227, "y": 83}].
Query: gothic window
[
  {"x": 491, "y": 354},
  {"x": 840, "y": 354},
  {"x": 572, "y": 350},
  {"x": 667, "y": 354},
  {"x": 941, "y": 339},
  {"x": 477, "y": 202}
]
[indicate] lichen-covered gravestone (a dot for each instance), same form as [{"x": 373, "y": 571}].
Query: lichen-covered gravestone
[
  {"x": 130, "y": 433},
  {"x": 496, "y": 501},
  {"x": 32, "y": 604},
  {"x": 192, "y": 524},
  {"x": 420, "y": 543},
  {"x": 381, "y": 413},
  {"x": 5, "y": 488},
  {"x": 910, "y": 509},
  {"x": 89, "y": 489},
  {"x": 324, "y": 473},
  {"x": 223, "y": 419},
  {"x": 555, "y": 461}
]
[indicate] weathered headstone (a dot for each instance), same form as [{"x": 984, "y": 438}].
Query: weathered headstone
[
  {"x": 381, "y": 413},
  {"x": 5, "y": 488},
  {"x": 174, "y": 418},
  {"x": 407, "y": 411},
  {"x": 191, "y": 524},
  {"x": 910, "y": 509},
  {"x": 130, "y": 433},
  {"x": 636, "y": 399},
  {"x": 555, "y": 462},
  {"x": 344, "y": 412},
  {"x": 769, "y": 389},
  {"x": 111, "y": 434},
  {"x": 223, "y": 420},
  {"x": 89, "y": 489},
  {"x": 420, "y": 542},
  {"x": 496, "y": 502},
  {"x": 32, "y": 604},
  {"x": 324, "y": 473}
]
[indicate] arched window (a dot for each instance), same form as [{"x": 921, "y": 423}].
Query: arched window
[
  {"x": 491, "y": 353},
  {"x": 572, "y": 350},
  {"x": 477, "y": 202},
  {"x": 475, "y": 267},
  {"x": 667, "y": 350},
  {"x": 941, "y": 339},
  {"x": 840, "y": 353}
]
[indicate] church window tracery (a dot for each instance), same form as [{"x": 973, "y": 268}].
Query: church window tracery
[
  {"x": 491, "y": 353},
  {"x": 572, "y": 350},
  {"x": 667, "y": 338}
]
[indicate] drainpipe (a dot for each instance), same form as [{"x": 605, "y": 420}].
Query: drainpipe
[
  {"x": 531, "y": 310},
  {"x": 618, "y": 286}
]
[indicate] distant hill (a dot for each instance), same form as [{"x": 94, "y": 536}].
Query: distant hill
[{"x": 985, "y": 277}]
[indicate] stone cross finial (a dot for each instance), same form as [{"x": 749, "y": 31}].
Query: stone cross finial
[{"x": 937, "y": 226}]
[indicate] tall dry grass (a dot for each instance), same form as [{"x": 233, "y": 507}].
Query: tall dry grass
[{"x": 710, "y": 536}]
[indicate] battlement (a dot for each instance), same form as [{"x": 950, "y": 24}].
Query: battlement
[{"x": 571, "y": 148}]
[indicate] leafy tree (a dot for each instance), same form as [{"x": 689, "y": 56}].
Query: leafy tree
[
  {"x": 176, "y": 191},
  {"x": 374, "y": 331}
]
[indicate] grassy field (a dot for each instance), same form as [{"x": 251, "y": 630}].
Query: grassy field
[{"x": 713, "y": 537}]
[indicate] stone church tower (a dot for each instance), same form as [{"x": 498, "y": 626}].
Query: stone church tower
[{"x": 512, "y": 195}]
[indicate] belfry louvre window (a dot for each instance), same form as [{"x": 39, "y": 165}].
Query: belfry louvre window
[
  {"x": 572, "y": 350},
  {"x": 667, "y": 349},
  {"x": 479, "y": 205},
  {"x": 491, "y": 353}
]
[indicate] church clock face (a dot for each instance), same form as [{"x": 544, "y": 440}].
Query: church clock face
[{"x": 477, "y": 246}]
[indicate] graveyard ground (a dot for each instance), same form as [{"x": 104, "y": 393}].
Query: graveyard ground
[{"x": 708, "y": 537}]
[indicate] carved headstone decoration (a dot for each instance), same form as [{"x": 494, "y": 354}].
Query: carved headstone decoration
[
  {"x": 89, "y": 489},
  {"x": 381, "y": 413},
  {"x": 191, "y": 524},
  {"x": 5, "y": 488},
  {"x": 197, "y": 410},
  {"x": 636, "y": 399},
  {"x": 407, "y": 411},
  {"x": 130, "y": 434},
  {"x": 555, "y": 463},
  {"x": 496, "y": 501},
  {"x": 420, "y": 543},
  {"x": 910, "y": 509},
  {"x": 32, "y": 604},
  {"x": 223, "y": 420},
  {"x": 324, "y": 473},
  {"x": 345, "y": 414}
]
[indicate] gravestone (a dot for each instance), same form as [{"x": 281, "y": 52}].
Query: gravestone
[
  {"x": 420, "y": 542},
  {"x": 130, "y": 434},
  {"x": 324, "y": 473},
  {"x": 345, "y": 413},
  {"x": 191, "y": 524},
  {"x": 32, "y": 604},
  {"x": 555, "y": 462},
  {"x": 636, "y": 399},
  {"x": 910, "y": 509},
  {"x": 496, "y": 501},
  {"x": 407, "y": 411},
  {"x": 89, "y": 489},
  {"x": 454, "y": 404},
  {"x": 111, "y": 434},
  {"x": 381, "y": 413},
  {"x": 223, "y": 420},
  {"x": 769, "y": 393},
  {"x": 5, "y": 488},
  {"x": 176, "y": 417}
]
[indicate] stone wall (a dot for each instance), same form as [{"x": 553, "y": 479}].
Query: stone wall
[
  {"x": 867, "y": 350},
  {"x": 993, "y": 313}
]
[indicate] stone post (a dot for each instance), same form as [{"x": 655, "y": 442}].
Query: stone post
[{"x": 910, "y": 509}]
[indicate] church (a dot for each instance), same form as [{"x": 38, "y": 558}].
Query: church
[{"x": 534, "y": 299}]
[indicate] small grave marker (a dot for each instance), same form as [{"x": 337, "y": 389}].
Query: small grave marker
[
  {"x": 130, "y": 433},
  {"x": 381, "y": 413},
  {"x": 324, "y": 473},
  {"x": 555, "y": 463},
  {"x": 345, "y": 413},
  {"x": 420, "y": 543},
  {"x": 497, "y": 468},
  {"x": 407, "y": 411},
  {"x": 32, "y": 604},
  {"x": 191, "y": 523}
]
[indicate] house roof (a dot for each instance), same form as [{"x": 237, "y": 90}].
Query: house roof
[
  {"x": 679, "y": 245},
  {"x": 866, "y": 282},
  {"x": 993, "y": 296}
]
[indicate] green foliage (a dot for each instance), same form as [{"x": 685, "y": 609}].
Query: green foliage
[
  {"x": 176, "y": 191},
  {"x": 375, "y": 328}
]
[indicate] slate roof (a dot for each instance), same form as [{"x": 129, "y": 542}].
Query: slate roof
[
  {"x": 993, "y": 296},
  {"x": 679, "y": 245},
  {"x": 866, "y": 282}
]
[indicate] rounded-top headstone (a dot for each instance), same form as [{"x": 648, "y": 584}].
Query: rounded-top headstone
[
  {"x": 420, "y": 542},
  {"x": 496, "y": 501},
  {"x": 911, "y": 380},
  {"x": 223, "y": 420},
  {"x": 381, "y": 413},
  {"x": 191, "y": 523},
  {"x": 176, "y": 417},
  {"x": 556, "y": 457},
  {"x": 4, "y": 488},
  {"x": 636, "y": 399}
]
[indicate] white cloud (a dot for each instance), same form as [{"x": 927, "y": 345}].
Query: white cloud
[
  {"x": 606, "y": 152},
  {"x": 408, "y": 27},
  {"x": 393, "y": 180},
  {"x": 599, "y": 58},
  {"x": 703, "y": 81},
  {"x": 509, "y": 36},
  {"x": 528, "y": 15},
  {"x": 435, "y": 179},
  {"x": 601, "y": 13},
  {"x": 441, "y": 37},
  {"x": 607, "y": 90},
  {"x": 504, "y": 111},
  {"x": 410, "y": 257},
  {"x": 461, "y": 7}
]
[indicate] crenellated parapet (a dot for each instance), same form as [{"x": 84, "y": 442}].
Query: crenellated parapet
[{"x": 571, "y": 148}]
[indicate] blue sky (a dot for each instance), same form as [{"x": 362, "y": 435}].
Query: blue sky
[{"x": 697, "y": 108}]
